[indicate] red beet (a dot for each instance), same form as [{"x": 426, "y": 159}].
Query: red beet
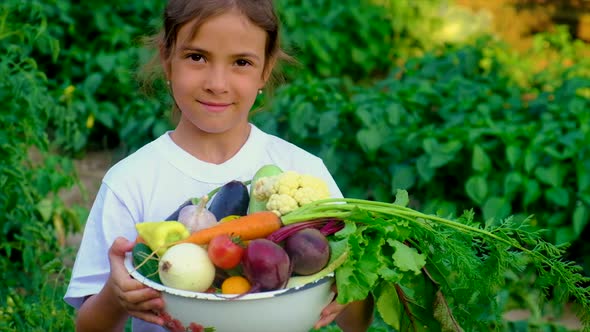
[
  {"x": 266, "y": 265},
  {"x": 308, "y": 250}
]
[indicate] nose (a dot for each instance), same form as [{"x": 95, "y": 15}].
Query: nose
[{"x": 216, "y": 80}]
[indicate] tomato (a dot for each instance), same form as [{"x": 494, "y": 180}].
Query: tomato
[{"x": 225, "y": 252}]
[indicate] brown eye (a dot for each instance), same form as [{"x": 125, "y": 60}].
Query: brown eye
[
  {"x": 242, "y": 62},
  {"x": 195, "y": 57}
]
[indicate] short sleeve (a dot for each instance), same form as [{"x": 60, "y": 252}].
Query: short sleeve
[{"x": 108, "y": 219}]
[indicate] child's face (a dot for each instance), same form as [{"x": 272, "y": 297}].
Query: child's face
[{"x": 216, "y": 75}]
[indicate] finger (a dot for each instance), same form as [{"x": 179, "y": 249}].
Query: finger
[
  {"x": 325, "y": 320},
  {"x": 333, "y": 308},
  {"x": 330, "y": 312},
  {"x": 153, "y": 305},
  {"x": 148, "y": 316},
  {"x": 119, "y": 272},
  {"x": 120, "y": 246},
  {"x": 135, "y": 297}
]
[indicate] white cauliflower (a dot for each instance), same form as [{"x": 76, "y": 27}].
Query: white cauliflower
[
  {"x": 290, "y": 190},
  {"x": 281, "y": 204},
  {"x": 287, "y": 183},
  {"x": 264, "y": 188}
]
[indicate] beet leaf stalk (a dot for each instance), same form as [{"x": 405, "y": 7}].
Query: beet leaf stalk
[
  {"x": 428, "y": 270},
  {"x": 286, "y": 231}
]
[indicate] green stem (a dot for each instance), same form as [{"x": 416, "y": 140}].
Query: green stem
[{"x": 333, "y": 207}]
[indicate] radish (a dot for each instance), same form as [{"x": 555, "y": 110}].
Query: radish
[
  {"x": 266, "y": 265},
  {"x": 186, "y": 266}
]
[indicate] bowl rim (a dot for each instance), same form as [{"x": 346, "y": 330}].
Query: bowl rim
[{"x": 215, "y": 296}]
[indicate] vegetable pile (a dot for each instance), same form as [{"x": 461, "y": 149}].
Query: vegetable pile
[{"x": 425, "y": 272}]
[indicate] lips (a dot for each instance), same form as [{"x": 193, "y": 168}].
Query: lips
[{"x": 215, "y": 107}]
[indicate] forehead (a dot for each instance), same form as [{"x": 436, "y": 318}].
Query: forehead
[{"x": 229, "y": 30}]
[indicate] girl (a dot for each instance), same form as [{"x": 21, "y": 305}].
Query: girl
[{"x": 217, "y": 56}]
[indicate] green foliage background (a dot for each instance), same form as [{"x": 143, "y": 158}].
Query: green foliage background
[{"x": 379, "y": 94}]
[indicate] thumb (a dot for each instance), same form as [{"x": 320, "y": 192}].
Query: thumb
[{"x": 119, "y": 247}]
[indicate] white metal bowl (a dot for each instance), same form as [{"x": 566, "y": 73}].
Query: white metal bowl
[{"x": 294, "y": 309}]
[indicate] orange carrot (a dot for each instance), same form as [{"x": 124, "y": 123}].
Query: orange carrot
[
  {"x": 253, "y": 226},
  {"x": 139, "y": 239}
]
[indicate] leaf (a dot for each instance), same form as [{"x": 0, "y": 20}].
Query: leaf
[
  {"x": 558, "y": 196},
  {"x": 403, "y": 177},
  {"x": 513, "y": 154},
  {"x": 107, "y": 115},
  {"x": 477, "y": 188},
  {"x": 552, "y": 175},
  {"x": 424, "y": 169},
  {"x": 496, "y": 208},
  {"x": 531, "y": 159},
  {"x": 580, "y": 219},
  {"x": 366, "y": 116},
  {"x": 443, "y": 314},
  {"x": 389, "y": 306},
  {"x": 532, "y": 192},
  {"x": 301, "y": 117},
  {"x": 443, "y": 154},
  {"x": 401, "y": 198},
  {"x": 91, "y": 83},
  {"x": 583, "y": 176},
  {"x": 406, "y": 258},
  {"x": 395, "y": 112},
  {"x": 328, "y": 122},
  {"x": 512, "y": 183},
  {"x": 564, "y": 235},
  {"x": 480, "y": 161},
  {"x": 45, "y": 208},
  {"x": 370, "y": 139},
  {"x": 106, "y": 61},
  {"x": 430, "y": 145}
]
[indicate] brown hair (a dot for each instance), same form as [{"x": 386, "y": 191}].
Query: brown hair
[{"x": 180, "y": 12}]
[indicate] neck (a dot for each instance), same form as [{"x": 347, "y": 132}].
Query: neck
[{"x": 215, "y": 148}]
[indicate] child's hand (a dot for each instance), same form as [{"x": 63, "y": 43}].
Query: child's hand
[
  {"x": 352, "y": 317},
  {"x": 330, "y": 312},
  {"x": 135, "y": 298}
]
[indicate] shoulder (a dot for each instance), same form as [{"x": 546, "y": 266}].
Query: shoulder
[
  {"x": 285, "y": 153},
  {"x": 134, "y": 165},
  {"x": 289, "y": 156}
]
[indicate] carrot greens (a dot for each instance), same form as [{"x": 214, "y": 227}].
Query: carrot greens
[{"x": 433, "y": 273}]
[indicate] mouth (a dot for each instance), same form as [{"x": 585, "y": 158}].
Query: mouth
[{"x": 214, "y": 106}]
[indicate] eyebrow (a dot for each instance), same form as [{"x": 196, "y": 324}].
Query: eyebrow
[{"x": 205, "y": 52}]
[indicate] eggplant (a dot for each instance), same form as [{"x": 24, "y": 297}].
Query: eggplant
[{"x": 231, "y": 199}]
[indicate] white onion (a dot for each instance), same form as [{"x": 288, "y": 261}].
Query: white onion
[{"x": 186, "y": 266}]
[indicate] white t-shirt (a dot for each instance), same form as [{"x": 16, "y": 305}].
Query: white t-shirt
[{"x": 151, "y": 183}]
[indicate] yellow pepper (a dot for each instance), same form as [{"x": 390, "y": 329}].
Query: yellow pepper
[{"x": 157, "y": 234}]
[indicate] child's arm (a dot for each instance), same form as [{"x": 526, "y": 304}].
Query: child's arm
[
  {"x": 357, "y": 316},
  {"x": 353, "y": 317},
  {"x": 120, "y": 297}
]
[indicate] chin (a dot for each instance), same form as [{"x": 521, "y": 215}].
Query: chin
[{"x": 220, "y": 128}]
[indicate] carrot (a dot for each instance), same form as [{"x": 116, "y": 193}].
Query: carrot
[
  {"x": 139, "y": 239},
  {"x": 249, "y": 227}
]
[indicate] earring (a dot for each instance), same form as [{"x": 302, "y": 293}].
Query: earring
[
  {"x": 168, "y": 82},
  {"x": 259, "y": 91}
]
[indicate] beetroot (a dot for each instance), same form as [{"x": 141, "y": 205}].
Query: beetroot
[
  {"x": 308, "y": 250},
  {"x": 266, "y": 265}
]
